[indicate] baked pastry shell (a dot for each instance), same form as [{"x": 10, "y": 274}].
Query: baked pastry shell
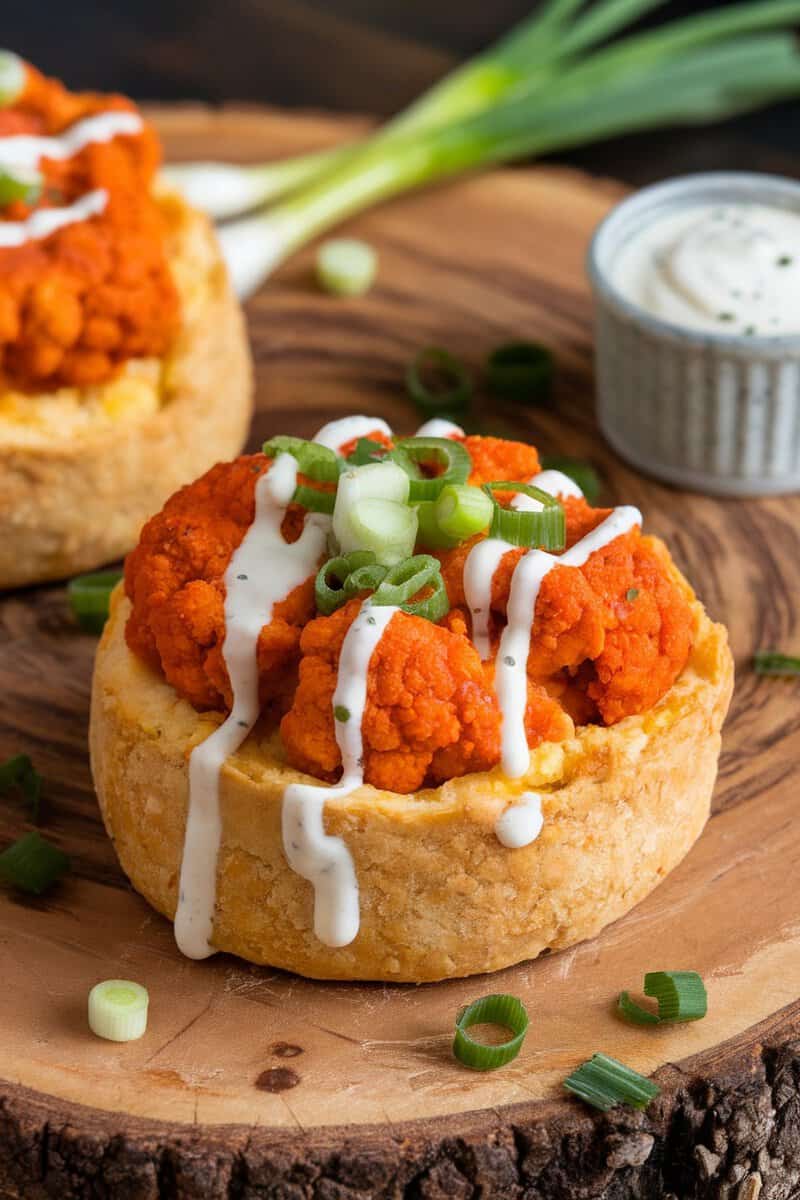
[
  {"x": 71, "y": 503},
  {"x": 440, "y": 897}
]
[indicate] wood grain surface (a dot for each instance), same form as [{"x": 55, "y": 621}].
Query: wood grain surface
[{"x": 253, "y": 1083}]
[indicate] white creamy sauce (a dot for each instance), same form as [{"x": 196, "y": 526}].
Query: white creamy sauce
[
  {"x": 45, "y": 221},
  {"x": 24, "y": 150},
  {"x": 482, "y": 561},
  {"x": 262, "y": 572},
  {"x": 555, "y": 483},
  {"x": 441, "y": 428},
  {"x": 511, "y": 675},
  {"x": 726, "y": 268},
  {"x": 336, "y": 434},
  {"x": 521, "y": 823},
  {"x": 323, "y": 860}
]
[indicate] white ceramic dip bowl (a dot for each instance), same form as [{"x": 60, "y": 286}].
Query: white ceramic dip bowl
[{"x": 717, "y": 412}]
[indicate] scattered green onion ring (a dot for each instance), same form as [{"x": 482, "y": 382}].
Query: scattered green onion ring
[
  {"x": 407, "y": 578},
  {"x": 503, "y": 1010},
  {"x": 19, "y": 185},
  {"x": 454, "y": 396},
  {"x": 462, "y": 511},
  {"x": 429, "y": 533},
  {"x": 433, "y": 607},
  {"x": 546, "y": 529},
  {"x": 18, "y": 772},
  {"x": 339, "y": 569},
  {"x": 346, "y": 266},
  {"x": 314, "y": 499},
  {"x": 364, "y": 579},
  {"x": 520, "y": 371},
  {"x": 316, "y": 462},
  {"x": 32, "y": 864},
  {"x": 89, "y": 596},
  {"x": 772, "y": 662},
  {"x": 604, "y": 1082},
  {"x": 681, "y": 996},
  {"x": 117, "y": 1010},
  {"x": 386, "y": 527},
  {"x": 12, "y": 77},
  {"x": 582, "y": 473},
  {"x": 451, "y": 456}
]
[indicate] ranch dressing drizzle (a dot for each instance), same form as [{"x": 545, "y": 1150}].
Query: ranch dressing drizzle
[
  {"x": 553, "y": 482},
  {"x": 45, "y": 221},
  {"x": 521, "y": 823},
  {"x": 439, "y": 427},
  {"x": 323, "y": 860},
  {"x": 511, "y": 674},
  {"x": 723, "y": 268},
  {"x": 336, "y": 434},
  {"x": 24, "y": 150},
  {"x": 262, "y": 572}
]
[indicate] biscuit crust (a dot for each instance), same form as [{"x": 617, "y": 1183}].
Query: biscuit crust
[
  {"x": 440, "y": 896},
  {"x": 71, "y": 503}
]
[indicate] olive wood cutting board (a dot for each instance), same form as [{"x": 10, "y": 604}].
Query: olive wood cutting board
[{"x": 251, "y": 1082}]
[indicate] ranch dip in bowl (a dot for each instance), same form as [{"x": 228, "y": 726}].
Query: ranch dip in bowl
[{"x": 697, "y": 294}]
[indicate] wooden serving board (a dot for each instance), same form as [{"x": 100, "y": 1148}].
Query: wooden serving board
[{"x": 254, "y": 1083}]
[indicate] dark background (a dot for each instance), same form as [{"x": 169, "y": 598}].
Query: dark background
[{"x": 357, "y": 55}]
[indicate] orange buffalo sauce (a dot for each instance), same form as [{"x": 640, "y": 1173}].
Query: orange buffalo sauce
[{"x": 77, "y": 304}]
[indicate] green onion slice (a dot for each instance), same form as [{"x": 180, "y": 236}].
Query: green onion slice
[
  {"x": 330, "y": 587},
  {"x": 313, "y": 499},
  {"x": 503, "y": 1010},
  {"x": 455, "y": 390},
  {"x": 118, "y": 1010},
  {"x": 546, "y": 529},
  {"x": 433, "y": 607},
  {"x": 604, "y": 1082},
  {"x": 681, "y": 996},
  {"x": 19, "y": 185},
  {"x": 367, "y": 451},
  {"x": 346, "y": 266},
  {"x": 12, "y": 78},
  {"x": 583, "y": 473},
  {"x": 521, "y": 371},
  {"x": 451, "y": 456},
  {"x": 314, "y": 461},
  {"x": 18, "y": 772},
  {"x": 32, "y": 864},
  {"x": 771, "y": 662},
  {"x": 89, "y": 596},
  {"x": 386, "y": 527},
  {"x": 407, "y": 578},
  {"x": 364, "y": 579},
  {"x": 462, "y": 511},
  {"x": 429, "y": 532}
]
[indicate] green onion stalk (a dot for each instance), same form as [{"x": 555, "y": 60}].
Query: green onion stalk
[
  {"x": 613, "y": 95},
  {"x": 529, "y": 55}
]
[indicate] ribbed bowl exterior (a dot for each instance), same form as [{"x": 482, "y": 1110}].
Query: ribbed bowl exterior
[{"x": 715, "y": 413}]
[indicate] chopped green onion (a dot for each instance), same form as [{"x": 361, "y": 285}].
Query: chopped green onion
[
  {"x": 771, "y": 662},
  {"x": 314, "y": 499},
  {"x": 407, "y": 578},
  {"x": 32, "y": 864},
  {"x": 367, "y": 451},
  {"x": 12, "y": 78},
  {"x": 364, "y": 579},
  {"x": 462, "y": 511},
  {"x": 19, "y": 185},
  {"x": 314, "y": 461},
  {"x": 604, "y": 1082},
  {"x": 433, "y": 607},
  {"x": 378, "y": 480},
  {"x": 520, "y": 371},
  {"x": 386, "y": 527},
  {"x": 451, "y": 456},
  {"x": 118, "y": 1010},
  {"x": 346, "y": 266},
  {"x": 330, "y": 586},
  {"x": 89, "y": 597},
  {"x": 681, "y": 996},
  {"x": 546, "y": 529},
  {"x": 18, "y": 772},
  {"x": 455, "y": 392},
  {"x": 503, "y": 1010},
  {"x": 582, "y": 473},
  {"x": 429, "y": 532}
]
